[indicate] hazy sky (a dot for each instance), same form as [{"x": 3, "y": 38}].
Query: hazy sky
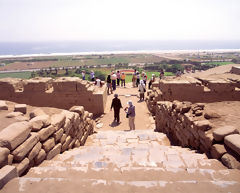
[{"x": 44, "y": 20}]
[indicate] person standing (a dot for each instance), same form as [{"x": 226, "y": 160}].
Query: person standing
[
  {"x": 131, "y": 115},
  {"x": 138, "y": 79},
  {"x": 109, "y": 85},
  {"x": 114, "y": 78},
  {"x": 83, "y": 74},
  {"x": 116, "y": 105},
  {"x": 123, "y": 77},
  {"x": 92, "y": 76},
  {"x": 118, "y": 78},
  {"x": 134, "y": 80},
  {"x": 145, "y": 79},
  {"x": 142, "y": 90}
]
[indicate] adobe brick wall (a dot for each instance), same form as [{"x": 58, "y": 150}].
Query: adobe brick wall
[{"x": 59, "y": 93}]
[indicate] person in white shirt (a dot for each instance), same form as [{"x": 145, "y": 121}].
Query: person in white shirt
[
  {"x": 114, "y": 78},
  {"x": 98, "y": 82},
  {"x": 142, "y": 90}
]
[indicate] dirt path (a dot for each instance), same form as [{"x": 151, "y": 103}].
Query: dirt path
[{"x": 143, "y": 118}]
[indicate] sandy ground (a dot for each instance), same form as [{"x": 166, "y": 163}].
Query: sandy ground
[{"x": 142, "y": 120}]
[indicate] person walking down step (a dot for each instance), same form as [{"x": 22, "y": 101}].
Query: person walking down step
[
  {"x": 142, "y": 90},
  {"x": 114, "y": 78},
  {"x": 116, "y": 105},
  {"x": 131, "y": 114}
]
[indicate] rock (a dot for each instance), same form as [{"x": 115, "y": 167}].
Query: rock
[
  {"x": 40, "y": 121},
  {"x": 46, "y": 132},
  {"x": 20, "y": 108},
  {"x": 7, "y": 173},
  {"x": 85, "y": 115},
  {"x": 203, "y": 125},
  {"x": 90, "y": 115},
  {"x": 69, "y": 115},
  {"x": 14, "y": 134},
  {"x": 35, "y": 150},
  {"x": 233, "y": 142},
  {"x": 21, "y": 118},
  {"x": 22, "y": 150},
  {"x": 36, "y": 112},
  {"x": 198, "y": 113},
  {"x": 99, "y": 125},
  {"x": 40, "y": 157},
  {"x": 14, "y": 114},
  {"x": 217, "y": 151},
  {"x": 211, "y": 115},
  {"x": 230, "y": 161},
  {"x": 63, "y": 138},
  {"x": 186, "y": 108},
  {"x": 77, "y": 109},
  {"x": 22, "y": 166},
  {"x": 56, "y": 150},
  {"x": 3, "y": 105},
  {"x": 66, "y": 144},
  {"x": 10, "y": 159},
  {"x": 77, "y": 143},
  {"x": 4, "y": 152},
  {"x": 58, "y": 134},
  {"x": 221, "y": 132},
  {"x": 49, "y": 144},
  {"x": 57, "y": 120}
]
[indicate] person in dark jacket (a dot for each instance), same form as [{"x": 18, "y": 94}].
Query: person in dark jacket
[{"x": 116, "y": 105}]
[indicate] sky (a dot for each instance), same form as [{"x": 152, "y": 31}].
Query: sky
[{"x": 71, "y": 20}]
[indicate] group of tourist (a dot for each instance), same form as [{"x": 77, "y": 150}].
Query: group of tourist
[
  {"x": 130, "y": 111},
  {"x": 114, "y": 79}
]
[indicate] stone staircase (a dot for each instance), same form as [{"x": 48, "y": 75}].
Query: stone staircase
[{"x": 128, "y": 161}]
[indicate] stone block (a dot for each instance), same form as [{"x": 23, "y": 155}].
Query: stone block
[
  {"x": 221, "y": 132},
  {"x": 3, "y": 105},
  {"x": 14, "y": 134},
  {"x": 57, "y": 120},
  {"x": 40, "y": 157},
  {"x": 55, "y": 151},
  {"x": 233, "y": 142},
  {"x": 46, "y": 132},
  {"x": 22, "y": 166},
  {"x": 35, "y": 150},
  {"x": 203, "y": 125},
  {"x": 63, "y": 138},
  {"x": 14, "y": 114},
  {"x": 69, "y": 115},
  {"x": 211, "y": 115},
  {"x": 20, "y": 108},
  {"x": 77, "y": 109},
  {"x": 21, "y": 151},
  {"x": 58, "y": 134},
  {"x": 217, "y": 151},
  {"x": 36, "y": 112},
  {"x": 40, "y": 121},
  {"x": 7, "y": 173},
  {"x": 66, "y": 144},
  {"x": 49, "y": 144},
  {"x": 4, "y": 152},
  {"x": 10, "y": 159},
  {"x": 230, "y": 161},
  {"x": 77, "y": 143}
]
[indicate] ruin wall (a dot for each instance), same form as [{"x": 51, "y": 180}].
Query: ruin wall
[
  {"x": 25, "y": 144},
  {"x": 59, "y": 93},
  {"x": 187, "y": 124}
]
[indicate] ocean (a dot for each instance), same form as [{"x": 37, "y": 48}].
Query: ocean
[{"x": 28, "y": 48}]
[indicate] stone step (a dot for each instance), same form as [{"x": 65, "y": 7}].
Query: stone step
[{"x": 147, "y": 181}]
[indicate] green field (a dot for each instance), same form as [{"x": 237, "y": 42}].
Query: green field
[
  {"x": 220, "y": 63},
  {"x": 23, "y": 75}
]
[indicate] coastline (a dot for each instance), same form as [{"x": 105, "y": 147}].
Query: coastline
[{"x": 121, "y": 52}]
